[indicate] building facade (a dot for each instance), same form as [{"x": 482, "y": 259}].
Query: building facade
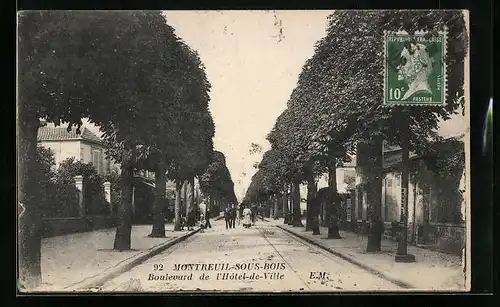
[
  {"x": 432, "y": 205},
  {"x": 85, "y": 147},
  {"x": 143, "y": 196},
  {"x": 345, "y": 183}
]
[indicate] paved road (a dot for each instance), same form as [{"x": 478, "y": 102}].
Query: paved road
[{"x": 262, "y": 258}]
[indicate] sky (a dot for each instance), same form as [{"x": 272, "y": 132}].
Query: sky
[{"x": 253, "y": 68}]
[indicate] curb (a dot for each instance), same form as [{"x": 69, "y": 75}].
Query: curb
[
  {"x": 95, "y": 282},
  {"x": 350, "y": 260}
]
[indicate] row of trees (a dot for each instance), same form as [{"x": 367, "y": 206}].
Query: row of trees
[
  {"x": 217, "y": 184},
  {"x": 131, "y": 76},
  {"x": 336, "y": 111}
]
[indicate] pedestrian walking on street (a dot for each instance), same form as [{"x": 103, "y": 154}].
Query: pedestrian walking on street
[
  {"x": 253, "y": 214},
  {"x": 247, "y": 217},
  {"x": 233, "y": 217},
  {"x": 227, "y": 217},
  {"x": 207, "y": 218},
  {"x": 203, "y": 223}
]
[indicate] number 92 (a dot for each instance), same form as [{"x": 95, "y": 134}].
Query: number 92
[{"x": 158, "y": 267}]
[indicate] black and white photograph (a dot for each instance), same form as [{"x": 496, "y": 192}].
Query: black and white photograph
[{"x": 243, "y": 151}]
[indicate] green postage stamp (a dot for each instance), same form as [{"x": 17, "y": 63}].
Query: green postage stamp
[{"x": 415, "y": 69}]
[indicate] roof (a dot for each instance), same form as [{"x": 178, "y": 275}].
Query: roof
[{"x": 61, "y": 134}]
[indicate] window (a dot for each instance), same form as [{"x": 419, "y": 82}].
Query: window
[
  {"x": 81, "y": 154},
  {"x": 108, "y": 165},
  {"x": 97, "y": 160}
]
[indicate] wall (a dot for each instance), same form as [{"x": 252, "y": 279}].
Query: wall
[
  {"x": 60, "y": 226},
  {"x": 63, "y": 149},
  {"x": 341, "y": 174},
  {"x": 86, "y": 152},
  {"x": 391, "y": 199},
  {"x": 303, "y": 197},
  {"x": 448, "y": 238},
  {"x": 79, "y": 150}
]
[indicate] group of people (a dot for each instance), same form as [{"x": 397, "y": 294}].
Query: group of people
[
  {"x": 230, "y": 215},
  {"x": 244, "y": 215},
  {"x": 189, "y": 221}
]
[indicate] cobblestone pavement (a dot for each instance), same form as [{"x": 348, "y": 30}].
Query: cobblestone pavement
[{"x": 262, "y": 258}]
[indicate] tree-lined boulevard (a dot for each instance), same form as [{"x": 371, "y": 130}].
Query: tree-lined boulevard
[{"x": 147, "y": 90}]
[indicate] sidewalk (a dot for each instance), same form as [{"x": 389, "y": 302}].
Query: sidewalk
[
  {"x": 70, "y": 259},
  {"x": 431, "y": 271}
]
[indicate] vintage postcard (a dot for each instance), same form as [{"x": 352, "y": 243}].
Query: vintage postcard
[{"x": 243, "y": 151}]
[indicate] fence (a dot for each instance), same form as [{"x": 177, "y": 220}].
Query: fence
[
  {"x": 61, "y": 226},
  {"x": 78, "y": 212},
  {"x": 444, "y": 237}
]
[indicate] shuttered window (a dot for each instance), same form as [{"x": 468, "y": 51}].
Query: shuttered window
[{"x": 97, "y": 161}]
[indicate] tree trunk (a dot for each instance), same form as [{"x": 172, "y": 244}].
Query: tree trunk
[
  {"x": 276, "y": 207},
  {"x": 177, "y": 209},
  {"x": 124, "y": 218},
  {"x": 185, "y": 202},
  {"x": 158, "y": 230},
  {"x": 311, "y": 195},
  {"x": 374, "y": 197},
  {"x": 315, "y": 208},
  {"x": 332, "y": 206},
  {"x": 194, "y": 200},
  {"x": 29, "y": 216},
  {"x": 271, "y": 206},
  {"x": 285, "y": 204},
  {"x": 297, "y": 221},
  {"x": 426, "y": 204},
  {"x": 189, "y": 195},
  {"x": 290, "y": 204}
]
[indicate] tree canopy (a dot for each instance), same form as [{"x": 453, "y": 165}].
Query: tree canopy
[
  {"x": 216, "y": 181},
  {"x": 337, "y": 103},
  {"x": 131, "y": 76}
]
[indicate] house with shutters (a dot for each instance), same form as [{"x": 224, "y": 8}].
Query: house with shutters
[
  {"x": 435, "y": 211},
  {"x": 86, "y": 146}
]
